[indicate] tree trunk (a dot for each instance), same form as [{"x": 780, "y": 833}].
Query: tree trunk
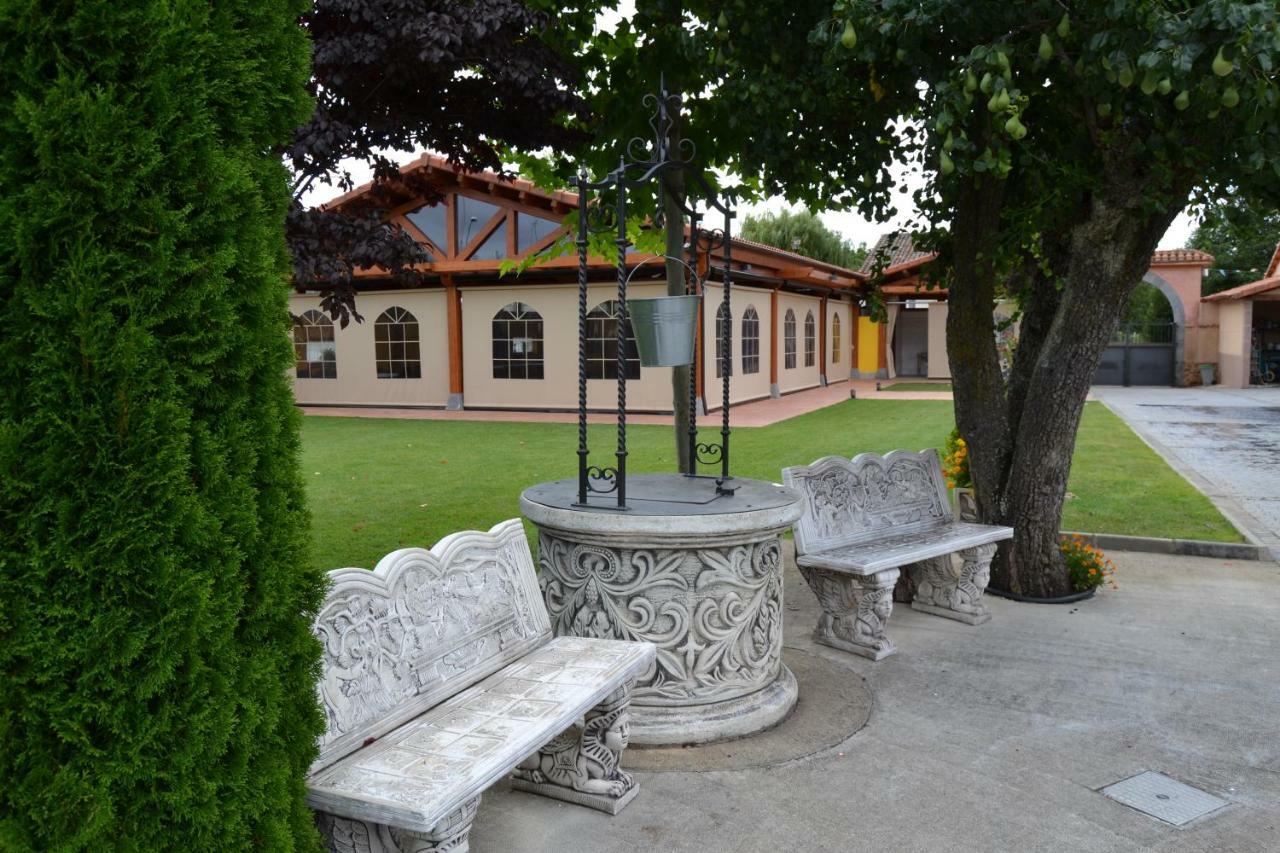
[{"x": 1022, "y": 435}]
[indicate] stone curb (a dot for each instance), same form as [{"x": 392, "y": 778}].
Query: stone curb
[{"x": 1179, "y": 547}]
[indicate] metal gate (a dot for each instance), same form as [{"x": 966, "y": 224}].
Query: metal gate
[{"x": 1139, "y": 354}]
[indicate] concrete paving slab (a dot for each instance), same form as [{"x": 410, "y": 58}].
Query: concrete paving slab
[
  {"x": 996, "y": 737},
  {"x": 1225, "y": 441}
]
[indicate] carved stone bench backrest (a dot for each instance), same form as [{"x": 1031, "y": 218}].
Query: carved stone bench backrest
[
  {"x": 420, "y": 627},
  {"x": 850, "y": 501}
]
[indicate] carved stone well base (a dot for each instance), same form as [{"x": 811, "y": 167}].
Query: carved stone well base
[
  {"x": 717, "y": 721},
  {"x": 697, "y": 574}
]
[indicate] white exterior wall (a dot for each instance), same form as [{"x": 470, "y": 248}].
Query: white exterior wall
[
  {"x": 357, "y": 382},
  {"x": 799, "y": 377},
  {"x": 742, "y": 386},
  {"x": 558, "y": 305},
  {"x": 839, "y": 362},
  {"x": 939, "y": 363},
  {"x": 1235, "y": 329}
]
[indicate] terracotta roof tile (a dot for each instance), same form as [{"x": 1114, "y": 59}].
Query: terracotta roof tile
[
  {"x": 1244, "y": 291},
  {"x": 1181, "y": 256},
  {"x": 1275, "y": 262},
  {"x": 897, "y": 249}
]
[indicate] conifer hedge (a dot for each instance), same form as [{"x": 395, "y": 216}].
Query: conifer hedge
[{"x": 155, "y": 660}]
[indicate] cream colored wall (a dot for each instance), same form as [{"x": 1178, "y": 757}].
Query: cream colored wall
[
  {"x": 742, "y": 386},
  {"x": 1235, "y": 325},
  {"x": 939, "y": 362},
  {"x": 558, "y": 389},
  {"x": 357, "y": 382},
  {"x": 838, "y": 371},
  {"x": 800, "y": 377}
]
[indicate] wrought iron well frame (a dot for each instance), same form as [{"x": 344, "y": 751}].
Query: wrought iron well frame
[{"x": 650, "y": 161}]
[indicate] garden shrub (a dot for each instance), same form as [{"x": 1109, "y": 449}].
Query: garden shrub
[{"x": 157, "y": 596}]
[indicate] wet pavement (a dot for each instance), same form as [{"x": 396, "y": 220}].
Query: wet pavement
[{"x": 1225, "y": 441}]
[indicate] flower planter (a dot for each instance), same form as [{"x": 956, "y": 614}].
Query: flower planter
[{"x": 664, "y": 328}]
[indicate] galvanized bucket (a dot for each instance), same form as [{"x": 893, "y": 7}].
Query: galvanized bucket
[{"x": 664, "y": 329}]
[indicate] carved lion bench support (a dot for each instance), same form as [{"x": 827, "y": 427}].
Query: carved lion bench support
[
  {"x": 865, "y": 519},
  {"x": 440, "y": 677}
]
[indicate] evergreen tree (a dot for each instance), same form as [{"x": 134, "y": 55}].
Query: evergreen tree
[
  {"x": 1241, "y": 233},
  {"x": 154, "y": 639}
]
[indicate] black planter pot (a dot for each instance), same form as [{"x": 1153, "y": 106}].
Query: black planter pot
[{"x": 1026, "y": 599}]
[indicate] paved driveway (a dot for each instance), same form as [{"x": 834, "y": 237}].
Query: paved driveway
[{"x": 1225, "y": 441}]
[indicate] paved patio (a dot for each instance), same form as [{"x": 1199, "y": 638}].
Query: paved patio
[
  {"x": 1226, "y": 441},
  {"x": 993, "y": 738},
  {"x": 758, "y": 413}
]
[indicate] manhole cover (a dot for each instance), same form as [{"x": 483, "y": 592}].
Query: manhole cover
[{"x": 1164, "y": 798}]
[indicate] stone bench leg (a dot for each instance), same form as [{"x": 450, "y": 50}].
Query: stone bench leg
[
  {"x": 581, "y": 765},
  {"x": 450, "y": 835},
  {"x": 855, "y": 609},
  {"x": 955, "y": 593}
]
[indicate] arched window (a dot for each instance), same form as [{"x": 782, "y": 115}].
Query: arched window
[
  {"x": 314, "y": 349},
  {"x": 517, "y": 342},
  {"x": 810, "y": 339},
  {"x": 750, "y": 341},
  {"x": 835, "y": 339},
  {"x": 395, "y": 341},
  {"x": 789, "y": 339},
  {"x": 723, "y": 323},
  {"x": 602, "y": 343}
]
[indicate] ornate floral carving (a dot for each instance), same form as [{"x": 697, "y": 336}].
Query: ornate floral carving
[
  {"x": 850, "y": 500},
  {"x": 450, "y": 835},
  {"x": 586, "y": 760},
  {"x": 714, "y": 613},
  {"x": 855, "y": 609},
  {"x": 421, "y": 626}
]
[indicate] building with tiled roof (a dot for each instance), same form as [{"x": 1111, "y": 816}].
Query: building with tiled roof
[{"x": 465, "y": 333}]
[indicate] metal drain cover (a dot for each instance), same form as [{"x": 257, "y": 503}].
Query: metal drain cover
[{"x": 1164, "y": 798}]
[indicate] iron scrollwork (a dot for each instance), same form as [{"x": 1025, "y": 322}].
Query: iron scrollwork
[
  {"x": 607, "y": 477},
  {"x": 650, "y": 160}
]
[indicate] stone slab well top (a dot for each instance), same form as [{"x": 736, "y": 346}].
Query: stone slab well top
[{"x": 664, "y": 504}]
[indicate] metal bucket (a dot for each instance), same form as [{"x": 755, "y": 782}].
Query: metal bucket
[{"x": 664, "y": 329}]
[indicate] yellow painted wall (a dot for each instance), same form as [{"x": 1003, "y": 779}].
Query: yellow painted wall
[{"x": 868, "y": 347}]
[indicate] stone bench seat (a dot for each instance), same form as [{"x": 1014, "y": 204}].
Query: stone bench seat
[
  {"x": 868, "y": 519},
  {"x": 417, "y": 774},
  {"x": 891, "y": 552},
  {"x": 439, "y": 676}
]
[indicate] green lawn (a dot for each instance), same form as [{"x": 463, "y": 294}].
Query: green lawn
[
  {"x": 378, "y": 485},
  {"x": 917, "y": 386}
]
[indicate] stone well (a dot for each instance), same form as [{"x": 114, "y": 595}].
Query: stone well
[{"x": 697, "y": 573}]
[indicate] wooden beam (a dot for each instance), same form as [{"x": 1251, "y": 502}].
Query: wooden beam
[
  {"x": 800, "y": 273},
  {"x": 773, "y": 339},
  {"x": 822, "y": 339},
  {"x": 453, "y": 314}
]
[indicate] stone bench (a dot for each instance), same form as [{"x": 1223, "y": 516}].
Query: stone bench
[
  {"x": 865, "y": 519},
  {"x": 440, "y": 677}
]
